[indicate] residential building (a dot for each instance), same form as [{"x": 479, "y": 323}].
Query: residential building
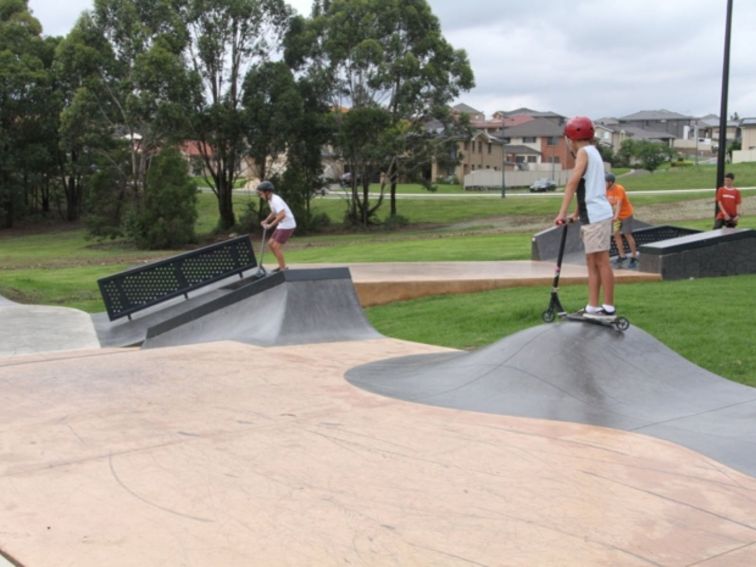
[
  {"x": 747, "y": 150},
  {"x": 659, "y": 121},
  {"x": 471, "y": 112},
  {"x": 529, "y": 112}
]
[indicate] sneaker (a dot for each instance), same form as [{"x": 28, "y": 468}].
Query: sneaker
[
  {"x": 601, "y": 315},
  {"x": 279, "y": 270},
  {"x": 619, "y": 261},
  {"x": 633, "y": 263}
]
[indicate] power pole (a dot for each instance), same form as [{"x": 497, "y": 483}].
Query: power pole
[{"x": 722, "y": 149}]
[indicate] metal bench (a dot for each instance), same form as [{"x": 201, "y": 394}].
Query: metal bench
[{"x": 138, "y": 288}]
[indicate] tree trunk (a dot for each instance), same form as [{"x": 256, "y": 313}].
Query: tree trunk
[
  {"x": 393, "y": 197},
  {"x": 72, "y": 199},
  {"x": 225, "y": 203}
]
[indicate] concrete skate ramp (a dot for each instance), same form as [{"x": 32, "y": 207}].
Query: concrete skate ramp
[
  {"x": 292, "y": 307},
  {"x": 587, "y": 374}
]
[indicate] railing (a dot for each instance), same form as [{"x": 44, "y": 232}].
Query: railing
[{"x": 138, "y": 288}]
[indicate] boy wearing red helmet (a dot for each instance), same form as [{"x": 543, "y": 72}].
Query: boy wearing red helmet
[{"x": 595, "y": 214}]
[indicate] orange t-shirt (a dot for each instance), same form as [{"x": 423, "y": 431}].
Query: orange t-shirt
[
  {"x": 728, "y": 199},
  {"x": 616, "y": 194}
]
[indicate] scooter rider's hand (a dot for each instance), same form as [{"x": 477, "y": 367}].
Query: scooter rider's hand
[{"x": 560, "y": 220}]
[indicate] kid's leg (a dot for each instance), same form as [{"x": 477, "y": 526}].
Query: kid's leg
[
  {"x": 594, "y": 280},
  {"x": 275, "y": 247},
  {"x": 606, "y": 276},
  {"x": 618, "y": 243}
]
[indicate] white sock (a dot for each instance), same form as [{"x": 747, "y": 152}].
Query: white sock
[
  {"x": 592, "y": 309},
  {"x": 608, "y": 308}
]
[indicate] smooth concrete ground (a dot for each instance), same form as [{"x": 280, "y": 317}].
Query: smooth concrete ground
[
  {"x": 26, "y": 329},
  {"x": 230, "y": 454}
]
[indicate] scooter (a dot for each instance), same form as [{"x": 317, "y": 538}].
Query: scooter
[
  {"x": 555, "y": 308},
  {"x": 261, "y": 272}
]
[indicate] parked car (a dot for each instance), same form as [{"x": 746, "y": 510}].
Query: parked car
[{"x": 543, "y": 185}]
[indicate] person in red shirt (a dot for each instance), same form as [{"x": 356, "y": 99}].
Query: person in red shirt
[
  {"x": 728, "y": 204},
  {"x": 622, "y": 222}
]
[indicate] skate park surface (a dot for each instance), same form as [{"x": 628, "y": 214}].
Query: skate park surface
[{"x": 231, "y": 452}]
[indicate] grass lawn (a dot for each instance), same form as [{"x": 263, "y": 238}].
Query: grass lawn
[{"x": 691, "y": 177}]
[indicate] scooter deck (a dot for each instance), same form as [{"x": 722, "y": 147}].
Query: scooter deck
[{"x": 618, "y": 323}]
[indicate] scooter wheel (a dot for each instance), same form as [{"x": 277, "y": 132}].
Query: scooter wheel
[
  {"x": 548, "y": 316},
  {"x": 622, "y": 324}
]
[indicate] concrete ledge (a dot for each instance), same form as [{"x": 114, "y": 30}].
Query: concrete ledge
[{"x": 723, "y": 252}]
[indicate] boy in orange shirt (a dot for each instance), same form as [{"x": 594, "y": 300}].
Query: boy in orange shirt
[
  {"x": 622, "y": 222},
  {"x": 728, "y": 204}
]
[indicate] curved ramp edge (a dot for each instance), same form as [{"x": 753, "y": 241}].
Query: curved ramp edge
[{"x": 584, "y": 374}]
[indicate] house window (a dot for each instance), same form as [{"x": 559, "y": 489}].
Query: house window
[
  {"x": 554, "y": 159},
  {"x": 506, "y": 140},
  {"x": 466, "y": 146},
  {"x": 528, "y": 139},
  {"x": 489, "y": 148},
  {"x": 552, "y": 141},
  {"x": 532, "y": 159}
]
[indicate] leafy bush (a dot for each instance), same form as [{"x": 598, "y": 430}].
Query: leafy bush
[{"x": 169, "y": 208}]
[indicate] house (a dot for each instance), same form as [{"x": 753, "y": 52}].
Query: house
[
  {"x": 522, "y": 143},
  {"x": 544, "y": 138},
  {"x": 747, "y": 141},
  {"x": 612, "y": 132},
  {"x": 471, "y": 112},
  {"x": 659, "y": 121},
  {"x": 529, "y": 112}
]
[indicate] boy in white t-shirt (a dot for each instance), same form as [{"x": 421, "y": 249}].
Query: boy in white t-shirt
[
  {"x": 281, "y": 217},
  {"x": 595, "y": 212}
]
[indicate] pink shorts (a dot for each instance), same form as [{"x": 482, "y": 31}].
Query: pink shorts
[{"x": 282, "y": 235}]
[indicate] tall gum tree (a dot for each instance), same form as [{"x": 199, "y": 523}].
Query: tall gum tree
[
  {"x": 382, "y": 57},
  {"x": 23, "y": 81},
  {"x": 227, "y": 39},
  {"x": 129, "y": 87}
]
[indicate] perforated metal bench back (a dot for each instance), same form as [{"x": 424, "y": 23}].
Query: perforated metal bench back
[
  {"x": 653, "y": 234},
  {"x": 138, "y": 288}
]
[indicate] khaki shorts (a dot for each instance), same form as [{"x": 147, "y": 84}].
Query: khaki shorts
[{"x": 596, "y": 236}]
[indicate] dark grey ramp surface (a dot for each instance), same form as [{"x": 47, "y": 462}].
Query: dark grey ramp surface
[
  {"x": 587, "y": 374},
  {"x": 124, "y": 332},
  {"x": 292, "y": 307}
]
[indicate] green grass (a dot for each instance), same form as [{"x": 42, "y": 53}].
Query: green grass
[
  {"x": 68, "y": 287},
  {"x": 708, "y": 321},
  {"x": 413, "y": 248},
  {"x": 692, "y": 177}
]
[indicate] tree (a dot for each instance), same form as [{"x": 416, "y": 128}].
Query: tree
[
  {"x": 226, "y": 40},
  {"x": 23, "y": 80},
  {"x": 272, "y": 106},
  {"x": 650, "y": 155},
  {"x": 169, "y": 211},
  {"x": 387, "y": 60},
  {"x": 127, "y": 87}
]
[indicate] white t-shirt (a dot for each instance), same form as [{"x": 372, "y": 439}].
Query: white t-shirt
[
  {"x": 277, "y": 204},
  {"x": 592, "y": 202}
]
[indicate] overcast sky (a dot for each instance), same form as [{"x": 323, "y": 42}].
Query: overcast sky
[{"x": 592, "y": 57}]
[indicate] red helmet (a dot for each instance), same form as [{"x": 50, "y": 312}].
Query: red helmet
[{"x": 579, "y": 128}]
